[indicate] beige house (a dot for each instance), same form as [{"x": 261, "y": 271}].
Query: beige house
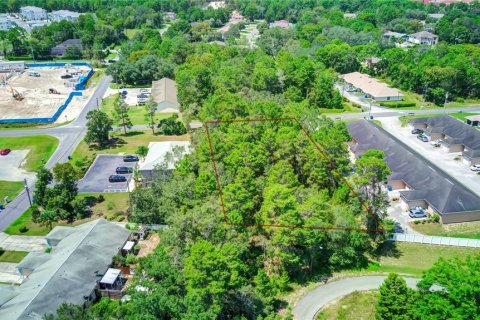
[
  {"x": 371, "y": 87},
  {"x": 164, "y": 92}
]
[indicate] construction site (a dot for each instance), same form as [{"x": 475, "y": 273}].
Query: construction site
[{"x": 38, "y": 92}]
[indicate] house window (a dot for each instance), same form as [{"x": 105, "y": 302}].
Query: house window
[{"x": 388, "y": 98}]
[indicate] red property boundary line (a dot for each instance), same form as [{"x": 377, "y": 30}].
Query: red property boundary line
[{"x": 322, "y": 153}]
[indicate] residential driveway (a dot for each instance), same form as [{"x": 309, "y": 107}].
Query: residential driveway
[
  {"x": 9, "y": 273},
  {"x": 11, "y": 166},
  {"x": 455, "y": 168},
  {"x": 310, "y": 304},
  {"x": 396, "y": 212},
  {"x": 96, "y": 178},
  {"x": 22, "y": 243}
]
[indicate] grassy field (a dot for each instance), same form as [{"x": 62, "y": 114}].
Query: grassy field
[
  {"x": 95, "y": 79},
  {"x": 413, "y": 259},
  {"x": 41, "y": 148},
  {"x": 459, "y": 115},
  {"x": 358, "y": 305},
  {"x": 12, "y": 256},
  {"x": 126, "y": 144},
  {"x": 10, "y": 189},
  {"x": 457, "y": 230},
  {"x": 25, "y": 226},
  {"x": 136, "y": 113},
  {"x": 114, "y": 205}
]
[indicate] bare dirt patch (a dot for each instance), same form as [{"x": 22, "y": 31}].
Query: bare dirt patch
[
  {"x": 37, "y": 102},
  {"x": 147, "y": 246}
]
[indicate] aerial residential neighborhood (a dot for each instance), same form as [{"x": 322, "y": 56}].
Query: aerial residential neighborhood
[{"x": 296, "y": 159}]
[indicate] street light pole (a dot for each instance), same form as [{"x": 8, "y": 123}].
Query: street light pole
[
  {"x": 28, "y": 191},
  {"x": 445, "y": 103}
]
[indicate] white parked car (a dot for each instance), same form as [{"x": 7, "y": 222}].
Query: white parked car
[
  {"x": 435, "y": 143},
  {"x": 475, "y": 167}
]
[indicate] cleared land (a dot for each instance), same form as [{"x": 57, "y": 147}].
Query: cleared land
[
  {"x": 37, "y": 102},
  {"x": 358, "y": 305}
]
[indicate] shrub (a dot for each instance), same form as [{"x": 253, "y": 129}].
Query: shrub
[
  {"x": 417, "y": 221},
  {"x": 110, "y": 205},
  {"x": 48, "y": 250},
  {"x": 119, "y": 218},
  {"x": 460, "y": 100},
  {"x": 100, "y": 198},
  {"x": 23, "y": 229},
  {"x": 436, "y": 217},
  {"x": 398, "y": 104},
  {"x": 110, "y": 217}
]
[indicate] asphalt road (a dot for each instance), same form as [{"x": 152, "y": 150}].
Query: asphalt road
[
  {"x": 310, "y": 304},
  {"x": 69, "y": 137}
]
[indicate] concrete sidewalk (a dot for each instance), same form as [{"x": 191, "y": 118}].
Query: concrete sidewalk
[
  {"x": 9, "y": 273},
  {"x": 22, "y": 243}
]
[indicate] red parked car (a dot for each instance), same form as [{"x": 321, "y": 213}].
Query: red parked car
[{"x": 4, "y": 152}]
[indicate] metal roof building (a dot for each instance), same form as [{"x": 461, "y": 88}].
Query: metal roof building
[
  {"x": 424, "y": 183},
  {"x": 69, "y": 273}
]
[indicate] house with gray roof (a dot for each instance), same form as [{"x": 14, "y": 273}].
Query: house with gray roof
[
  {"x": 70, "y": 273},
  {"x": 455, "y": 136},
  {"x": 164, "y": 92},
  {"x": 423, "y": 37},
  {"x": 420, "y": 182}
]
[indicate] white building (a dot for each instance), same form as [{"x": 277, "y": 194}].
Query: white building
[
  {"x": 9, "y": 66},
  {"x": 33, "y": 13},
  {"x": 371, "y": 87},
  {"x": 423, "y": 37},
  {"x": 64, "y": 15},
  {"x": 165, "y": 153},
  {"x": 6, "y": 23}
]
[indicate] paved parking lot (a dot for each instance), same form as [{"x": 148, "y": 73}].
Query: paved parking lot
[
  {"x": 11, "y": 166},
  {"x": 455, "y": 168},
  {"x": 96, "y": 178},
  {"x": 396, "y": 213}
]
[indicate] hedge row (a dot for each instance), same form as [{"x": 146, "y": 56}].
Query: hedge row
[{"x": 398, "y": 104}]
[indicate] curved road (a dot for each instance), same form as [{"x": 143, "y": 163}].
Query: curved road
[
  {"x": 69, "y": 137},
  {"x": 310, "y": 304}
]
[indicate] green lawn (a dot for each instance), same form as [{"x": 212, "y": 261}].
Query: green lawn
[
  {"x": 41, "y": 148},
  {"x": 413, "y": 258},
  {"x": 457, "y": 230},
  {"x": 130, "y": 33},
  {"x": 459, "y": 115},
  {"x": 136, "y": 113},
  {"x": 114, "y": 205},
  {"x": 12, "y": 256},
  {"x": 359, "y": 305},
  {"x": 10, "y": 189},
  {"x": 25, "y": 226},
  {"x": 127, "y": 144}
]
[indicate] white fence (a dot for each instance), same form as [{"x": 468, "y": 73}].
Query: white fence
[{"x": 445, "y": 241}]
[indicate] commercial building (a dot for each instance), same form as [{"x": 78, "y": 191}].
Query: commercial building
[
  {"x": 420, "y": 182},
  {"x": 454, "y": 136},
  {"x": 31, "y": 13},
  {"x": 6, "y": 23},
  {"x": 62, "y": 49},
  {"x": 165, "y": 154},
  {"x": 164, "y": 92},
  {"x": 371, "y": 87},
  {"x": 66, "y": 15},
  {"x": 79, "y": 258}
]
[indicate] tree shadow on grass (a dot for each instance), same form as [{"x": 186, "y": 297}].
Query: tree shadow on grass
[
  {"x": 389, "y": 249},
  {"x": 133, "y": 133}
]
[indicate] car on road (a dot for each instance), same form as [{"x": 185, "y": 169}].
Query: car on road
[
  {"x": 417, "y": 131},
  {"x": 4, "y": 152},
  {"x": 417, "y": 212},
  {"x": 475, "y": 167},
  {"x": 141, "y": 101},
  {"x": 130, "y": 158},
  {"x": 123, "y": 170},
  {"x": 422, "y": 137},
  {"x": 144, "y": 91},
  {"x": 117, "y": 178},
  {"x": 142, "y": 96}
]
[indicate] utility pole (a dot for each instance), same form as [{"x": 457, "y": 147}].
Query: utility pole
[
  {"x": 445, "y": 103},
  {"x": 28, "y": 191}
]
